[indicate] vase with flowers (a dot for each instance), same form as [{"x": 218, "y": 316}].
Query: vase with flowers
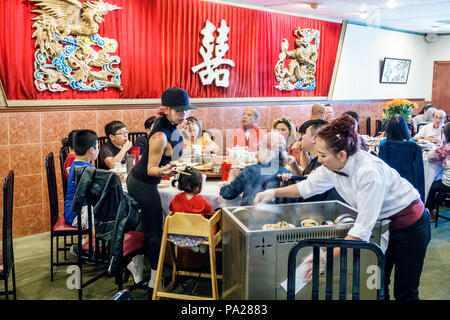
[{"x": 398, "y": 106}]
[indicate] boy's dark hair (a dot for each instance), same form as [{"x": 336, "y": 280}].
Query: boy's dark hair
[
  {"x": 149, "y": 122},
  {"x": 112, "y": 127},
  {"x": 353, "y": 114},
  {"x": 189, "y": 183},
  {"x": 68, "y": 141},
  {"x": 397, "y": 128},
  {"x": 315, "y": 124},
  {"x": 83, "y": 140}
]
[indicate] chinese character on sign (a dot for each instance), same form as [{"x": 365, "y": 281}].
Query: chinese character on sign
[{"x": 209, "y": 65}]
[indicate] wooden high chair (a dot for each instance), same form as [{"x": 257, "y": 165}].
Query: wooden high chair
[{"x": 189, "y": 224}]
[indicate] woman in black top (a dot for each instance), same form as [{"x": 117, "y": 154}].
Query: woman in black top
[{"x": 165, "y": 144}]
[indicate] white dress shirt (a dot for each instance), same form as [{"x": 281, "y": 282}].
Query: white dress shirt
[
  {"x": 429, "y": 131},
  {"x": 373, "y": 188}
]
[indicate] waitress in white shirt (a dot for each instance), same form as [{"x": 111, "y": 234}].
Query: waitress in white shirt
[{"x": 377, "y": 192}]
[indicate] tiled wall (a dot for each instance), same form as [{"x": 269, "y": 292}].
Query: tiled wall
[{"x": 27, "y": 137}]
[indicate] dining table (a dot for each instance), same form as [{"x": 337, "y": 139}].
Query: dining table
[{"x": 210, "y": 191}]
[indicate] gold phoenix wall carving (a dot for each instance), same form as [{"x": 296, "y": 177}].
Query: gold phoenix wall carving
[{"x": 65, "y": 36}]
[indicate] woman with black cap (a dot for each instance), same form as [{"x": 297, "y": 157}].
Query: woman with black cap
[{"x": 165, "y": 144}]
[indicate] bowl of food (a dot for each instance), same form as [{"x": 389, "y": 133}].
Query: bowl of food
[
  {"x": 309, "y": 223},
  {"x": 278, "y": 225}
]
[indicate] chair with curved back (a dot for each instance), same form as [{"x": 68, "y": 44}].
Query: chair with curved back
[
  {"x": 7, "y": 266},
  {"x": 134, "y": 135},
  {"x": 63, "y": 152},
  {"x": 378, "y": 127},
  {"x": 101, "y": 142},
  {"x": 330, "y": 244},
  {"x": 442, "y": 196},
  {"x": 58, "y": 226},
  {"x": 94, "y": 186},
  {"x": 368, "y": 126},
  {"x": 420, "y": 125}
]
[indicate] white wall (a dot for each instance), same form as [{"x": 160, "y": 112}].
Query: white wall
[
  {"x": 440, "y": 50},
  {"x": 364, "y": 47}
]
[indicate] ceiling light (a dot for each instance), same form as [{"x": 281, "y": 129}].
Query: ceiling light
[
  {"x": 363, "y": 14},
  {"x": 391, "y": 4}
]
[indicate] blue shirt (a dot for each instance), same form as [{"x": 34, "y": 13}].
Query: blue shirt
[
  {"x": 250, "y": 182},
  {"x": 69, "y": 216}
]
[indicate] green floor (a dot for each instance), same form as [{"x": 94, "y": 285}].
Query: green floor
[{"x": 32, "y": 258}]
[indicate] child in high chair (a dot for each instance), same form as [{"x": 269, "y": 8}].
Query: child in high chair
[{"x": 190, "y": 201}]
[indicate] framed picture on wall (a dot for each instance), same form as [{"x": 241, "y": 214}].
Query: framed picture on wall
[{"x": 395, "y": 70}]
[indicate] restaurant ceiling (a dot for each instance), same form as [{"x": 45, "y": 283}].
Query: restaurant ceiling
[{"x": 421, "y": 16}]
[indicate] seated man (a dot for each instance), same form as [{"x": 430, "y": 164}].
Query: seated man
[
  {"x": 308, "y": 131},
  {"x": 249, "y": 134},
  {"x": 318, "y": 112},
  {"x": 141, "y": 141},
  {"x": 433, "y": 131},
  {"x": 86, "y": 149},
  {"x": 116, "y": 148},
  {"x": 330, "y": 113}
]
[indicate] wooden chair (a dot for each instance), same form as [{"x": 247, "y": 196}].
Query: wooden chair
[
  {"x": 420, "y": 125},
  {"x": 7, "y": 254},
  {"x": 97, "y": 250},
  {"x": 442, "y": 196},
  {"x": 378, "y": 127},
  {"x": 368, "y": 126},
  {"x": 134, "y": 135},
  {"x": 189, "y": 224},
  {"x": 58, "y": 226},
  {"x": 63, "y": 152},
  {"x": 101, "y": 142}
]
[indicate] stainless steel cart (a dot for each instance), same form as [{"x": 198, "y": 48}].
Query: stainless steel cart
[{"x": 255, "y": 260}]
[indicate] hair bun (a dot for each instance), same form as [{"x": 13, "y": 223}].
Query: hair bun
[
  {"x": 341, "y": 134},
  {"x": 345, "y": 125}
]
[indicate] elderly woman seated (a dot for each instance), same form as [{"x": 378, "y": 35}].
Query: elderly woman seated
[
  {"x": 288, "y": 130},
  {"x": 191, "y": 130},
  {"x": 271, "y": 158}
]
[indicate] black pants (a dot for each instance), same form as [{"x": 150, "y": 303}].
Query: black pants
[
  {"x": 406, "y": 251},
  {"x": 147, "y": 196},
  {"x": 433, "y": 194}
]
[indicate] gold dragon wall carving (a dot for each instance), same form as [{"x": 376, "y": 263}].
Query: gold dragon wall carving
[
  {"x": 299, "y": 74},
  {"x": 65, "y": 36}
]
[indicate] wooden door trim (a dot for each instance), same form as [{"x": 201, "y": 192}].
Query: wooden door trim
[{"x": 433, "y": 94}]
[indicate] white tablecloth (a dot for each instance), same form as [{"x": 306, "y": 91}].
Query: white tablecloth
[
  {"x": 432, "y": 171},
  {"x": 210, "y": 191}
]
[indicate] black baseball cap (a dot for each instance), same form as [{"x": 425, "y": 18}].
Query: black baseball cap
[{"x": 176, "y": 98}]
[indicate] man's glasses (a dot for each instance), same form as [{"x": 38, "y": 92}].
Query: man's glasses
[{"x": 122, "y": 133}]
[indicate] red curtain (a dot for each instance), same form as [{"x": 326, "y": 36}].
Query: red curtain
[{"x": 159, "y": 43}]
